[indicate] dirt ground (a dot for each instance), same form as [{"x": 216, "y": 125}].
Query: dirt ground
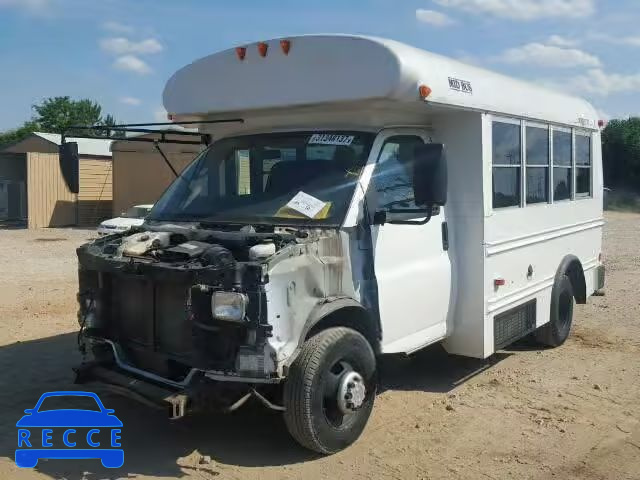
[{"x": 573, "y": 412}]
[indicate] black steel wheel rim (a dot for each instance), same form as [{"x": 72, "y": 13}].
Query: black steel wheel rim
[{"x": 332, "y": 412}]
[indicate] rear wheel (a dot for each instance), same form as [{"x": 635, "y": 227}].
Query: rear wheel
[
  {"x": 330, "y": 390},
  {"x": 556, "y": 332}
]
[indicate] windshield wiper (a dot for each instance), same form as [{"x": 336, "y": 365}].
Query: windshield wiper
[{"x": 210, "y": 222}]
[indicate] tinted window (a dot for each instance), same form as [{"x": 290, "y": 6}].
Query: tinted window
[
  {"x": 506, "y": 144},
  {"x": 537, "y": 185},
  {"x": 583, "y": 181},
  {"x": 537, "y": 146},
  {"x": 562, "y": 183},
  {"x": 561, "y": 148},
  {"x": 506, "y": 187},
  {"x": 393, "y": 176},
  {"x": 583, "y": 150},
  {"x": 506, "y": 165},
  {"x": 583, "y": 165},
  {"x": 537, "y": 159},
  {"x": 562, "y": 161}
]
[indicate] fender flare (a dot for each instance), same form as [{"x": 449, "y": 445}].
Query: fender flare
[
  {"x": 342, "y": 311},
  {"x": 572, "y": 268}
]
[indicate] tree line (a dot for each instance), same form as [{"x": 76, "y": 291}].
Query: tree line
[
  {"x": 57, "y": 115},
  {"x": 621, "y": 154}
]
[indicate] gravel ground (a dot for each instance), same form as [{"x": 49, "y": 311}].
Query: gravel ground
[{"x": 571, "y": 412}]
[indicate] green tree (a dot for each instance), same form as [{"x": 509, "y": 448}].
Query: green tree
[
  {"x": 57, "y": 114},
  {"x": 621, "y": 153},
  {"x": 17, "y": 134},
  {"x": 109, "y": 121}
]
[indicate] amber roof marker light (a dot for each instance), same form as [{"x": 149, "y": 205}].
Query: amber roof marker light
[
  {"x": 262, "y": 49},
  {"x": 424, "y": 91},
  {"x": 285, "y": 45},
  {"x": 241, "y": 52}
]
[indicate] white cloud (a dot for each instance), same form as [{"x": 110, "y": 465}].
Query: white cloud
[
  {"x": 560, "y": 41},
  {"x": 31, "y": 6},
  {"x": 539, "y": 54},
  {"x": 437, "y": 19},
  {"x": 630, "y": 41},
  {"x": 133, "y": 101},
  {"x": 123, "y": 46},
  {"x": 131, "y": 63},
  {"x": 598, "y": 82},
  {"x": 524, "y": 9},
  {"x": 117, "y": 27}
]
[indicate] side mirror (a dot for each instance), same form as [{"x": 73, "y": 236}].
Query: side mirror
[
  {"x": 70, "y": 165},
  {"x": 430, "y": 175}
]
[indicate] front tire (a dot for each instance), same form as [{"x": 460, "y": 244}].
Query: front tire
[
  {"x": 556, "y": 332},
  {"x": 330, "y": 390}
]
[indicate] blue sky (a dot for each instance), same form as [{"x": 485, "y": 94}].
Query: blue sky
[{"x": 120, "y": 53}]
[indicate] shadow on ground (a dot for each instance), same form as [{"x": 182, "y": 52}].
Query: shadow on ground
[
  {"x": 156, "y": 446},
  {"x": 13, "y": 225}
]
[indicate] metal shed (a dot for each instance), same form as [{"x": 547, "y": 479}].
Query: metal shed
[
  {"x": 33, "y": 191},
  {"x": 140, "y": 175}
]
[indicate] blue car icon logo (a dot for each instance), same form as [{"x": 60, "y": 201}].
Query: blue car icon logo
[{"x": 69, "y": 433}]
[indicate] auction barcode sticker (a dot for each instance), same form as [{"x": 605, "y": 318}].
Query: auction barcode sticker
[{"x": 331, "y": 139}]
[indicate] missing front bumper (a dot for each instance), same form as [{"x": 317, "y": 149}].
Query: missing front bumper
[
  {"x": 144, "y": 392},
  {"x": 196, "y": 396}
]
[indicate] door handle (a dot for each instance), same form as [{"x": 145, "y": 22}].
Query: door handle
[{"x": 445, "y": 236}]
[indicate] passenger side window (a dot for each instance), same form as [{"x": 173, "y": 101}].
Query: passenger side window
[
  {"x": 393, "y": 175},
  {"x": 537, "y": 156},
  {"x": 583, "y": 165},
  {"x": 507, "y": 164},
  {"x": 562, "y": 160}
]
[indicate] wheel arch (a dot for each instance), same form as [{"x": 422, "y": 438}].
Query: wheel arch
[
  {"x": 572, "y": 268},
  {"x": 342, "y": 312}
]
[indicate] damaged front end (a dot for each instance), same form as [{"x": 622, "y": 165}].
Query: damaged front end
[{"x": 178, "y": 315}]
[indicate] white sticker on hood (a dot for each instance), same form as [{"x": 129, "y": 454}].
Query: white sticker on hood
[
  {"x": 331, "y": 139},
  {"x": 306, "y": 204}
]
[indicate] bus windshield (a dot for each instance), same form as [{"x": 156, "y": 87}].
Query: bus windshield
[{"x": 302, "y": 178}]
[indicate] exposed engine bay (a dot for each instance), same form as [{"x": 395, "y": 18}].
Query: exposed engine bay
[{"x": 174, "y": 298}]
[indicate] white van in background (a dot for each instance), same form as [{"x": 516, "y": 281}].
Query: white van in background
[{"x": 362, "y": 197}]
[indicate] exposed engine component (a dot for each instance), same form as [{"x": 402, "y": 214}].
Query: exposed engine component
[
  {"x": 217, "y": 256},
  {"x": 138, "y": 244},
  {"x": 179, "y": 297},
  {"x": 183, "y": 252},
  {"x": 262, "y": 251}
]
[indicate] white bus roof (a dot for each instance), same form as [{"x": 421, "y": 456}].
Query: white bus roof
[{"x": 335, "y": 69}]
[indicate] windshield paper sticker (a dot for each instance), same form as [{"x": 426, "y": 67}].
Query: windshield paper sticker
[
  {"x": 306, "y": 204},
  {"x": 330, "y": 139}
]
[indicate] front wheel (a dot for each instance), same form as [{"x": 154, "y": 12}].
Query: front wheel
[{"x": 330, "y": 390}]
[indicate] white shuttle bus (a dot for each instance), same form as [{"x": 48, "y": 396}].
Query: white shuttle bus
[{"x": 357, "y": 197}]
